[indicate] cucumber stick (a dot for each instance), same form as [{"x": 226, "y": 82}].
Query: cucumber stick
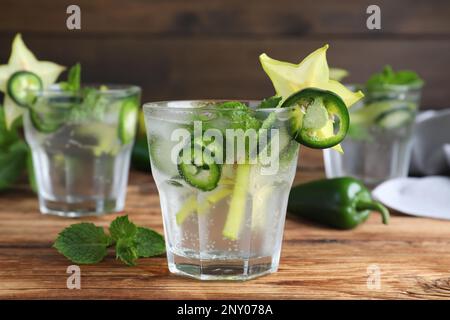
[
  {"x": 192, "y": 204},
  {"x": 187, "y": 209},
  {"x": 260, "y": 202},
  {"x": 236, "y": 211},
  {"x": 214, "y": 197}
]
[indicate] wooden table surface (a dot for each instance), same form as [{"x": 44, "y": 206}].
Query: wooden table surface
[{"x": 412, "y": 254}]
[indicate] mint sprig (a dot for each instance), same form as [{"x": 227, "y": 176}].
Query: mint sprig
[
  {"x": 84, "y": 243},
  {"x": 390, "y": 77},
  {"x": 239, "y": 114}
]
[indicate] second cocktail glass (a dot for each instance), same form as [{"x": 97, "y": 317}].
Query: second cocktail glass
[{"x": 81, "y": 144}]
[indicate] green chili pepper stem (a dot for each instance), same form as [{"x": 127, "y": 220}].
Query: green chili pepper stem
[{"x": 375, "y": 206}]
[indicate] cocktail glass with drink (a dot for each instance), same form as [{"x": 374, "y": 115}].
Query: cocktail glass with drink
[
  {"x": 223, "y": 211},
  {"x": 81, "y": 144}
]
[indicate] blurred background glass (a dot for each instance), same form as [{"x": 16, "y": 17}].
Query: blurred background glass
[
  {"x": 181, "y": 49},
  {"x": 81, "y": 150},
  {"x": 379, "y": 140}
]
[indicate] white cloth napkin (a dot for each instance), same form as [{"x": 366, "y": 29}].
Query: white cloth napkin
[
  {"x": 425, "y": 197},
  {"x": 431, "y": 144}
]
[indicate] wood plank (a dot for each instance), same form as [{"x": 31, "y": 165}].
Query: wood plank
[
  {"x": 316, "y": 262},
  {"x": 229, "y": 68},
  {"x": 319, "y": 268},
  {"x": 231, "y": 17}
]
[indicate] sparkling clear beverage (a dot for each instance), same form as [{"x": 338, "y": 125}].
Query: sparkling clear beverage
[
  {"x": 80, "y": 150},
  {"x": 233, "y": 232}
]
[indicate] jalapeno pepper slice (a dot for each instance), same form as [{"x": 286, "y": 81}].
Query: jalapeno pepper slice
[
  {"x": 319, "y": 118},
  {"x": 18, "y": 87}
]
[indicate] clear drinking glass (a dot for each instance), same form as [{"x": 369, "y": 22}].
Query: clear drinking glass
[
  {"x": 233, "y": 232},
  {"x": 378, "y": 144},
  {"x": 81, "y": 145}
]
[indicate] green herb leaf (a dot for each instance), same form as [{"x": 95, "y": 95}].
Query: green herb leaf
[
  {"x": 12, "y": 152},
  {"x": 83, "y": 243},
  {"x": 74, "y": 78},
  {"x": 233, "y": 105},
  {"x": 240, "y": 115},
  {"x": 149, "y": 243},
  {"x": 126, "y": 250},
  {"x": 122, "y": 228},
  {"x": 12, "y": 163},
  {"x": 270, "y": 103},
  {"x": 73, "y": 83},
  {"x": 389, "y": 76}
]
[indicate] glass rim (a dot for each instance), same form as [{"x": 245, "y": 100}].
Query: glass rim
[
  {"x": 207, "y": 105},
  {"x": 114, "y": 90},
  {"x": 387, "y": 86}
]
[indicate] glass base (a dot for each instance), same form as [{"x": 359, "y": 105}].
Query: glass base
[
  {"x": 221, "y": 269},
  {"x": 77, "y": 209}
]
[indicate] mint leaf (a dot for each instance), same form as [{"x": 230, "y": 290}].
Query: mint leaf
[
  {"x": 122, "y": 228},
  {"x": 74, "y": 77},
  {"x": 12, "y": 163},
  {"x": 126, "y": 250},
  {"x": 270, "y": 103},
  {"x": 83, "y": 243},
  {"x": 149, "y": 243},
  {"x": 73, "y": 83},
  {"x": 390, "y": 77},
  {"x": 240, "y": 115}
]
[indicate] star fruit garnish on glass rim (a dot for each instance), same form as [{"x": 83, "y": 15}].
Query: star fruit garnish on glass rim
[
  {"x": 22, "y": 59},
  {"x": 313, "y": 71}
]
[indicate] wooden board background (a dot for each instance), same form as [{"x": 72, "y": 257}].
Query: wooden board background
[{"x": 209, "y": 48}]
